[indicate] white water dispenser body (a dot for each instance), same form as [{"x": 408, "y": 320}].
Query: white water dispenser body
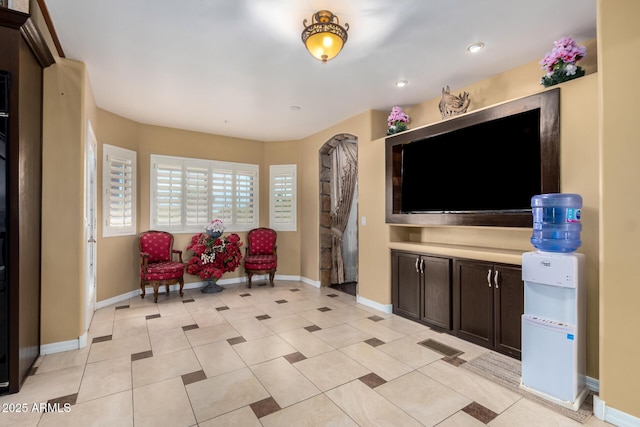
[{"x": 553, "y": 327}]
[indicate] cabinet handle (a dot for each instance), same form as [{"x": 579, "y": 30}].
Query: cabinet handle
[
  {"x": 495, "y": 279},
  {"x": 417, "y": 261},
  {"x": 422, "y": 265},
  {"x": 489, "y": 278}
]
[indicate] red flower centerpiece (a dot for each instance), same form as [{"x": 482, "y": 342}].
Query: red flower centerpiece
[{"x": 213, "y": 256}]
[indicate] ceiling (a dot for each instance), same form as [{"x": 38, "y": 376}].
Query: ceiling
[{"x": 239, "y": 68}]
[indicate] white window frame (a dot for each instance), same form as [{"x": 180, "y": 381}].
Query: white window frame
[
  {"x": 224, "y": 203},
  {"x": 283, "y": 212},
  {"x": 113, "y": 156}
]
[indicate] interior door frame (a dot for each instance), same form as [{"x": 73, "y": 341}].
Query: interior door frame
[{"x": 91, "y": 248}]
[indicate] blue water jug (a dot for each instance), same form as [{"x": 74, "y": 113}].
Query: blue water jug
[{"x": 556, "y": 222}]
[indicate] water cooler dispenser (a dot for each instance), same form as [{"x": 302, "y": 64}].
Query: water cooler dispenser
[{"x": 553, "y": 323}]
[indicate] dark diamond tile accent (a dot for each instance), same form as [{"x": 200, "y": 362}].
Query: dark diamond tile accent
[
  {"x": 265, "y": 407},
  {"x": 282, "y": 301},
  {"x": 375, "y": 318},
  {"x": 190, "y": 327},
  {"x": 263, "y": 317},
  {"x": 441, "y": 348},
  {"x": 294, "y": 290},
  {"x": 101, "y": 339},
  {"x": 193, "y": 377},
  {"x": 374, "y": 342},
  {"x": 120, "y": 307},
  {"x": 455, "y": 360},
  {"x": 152, "y": 316},
  {"x": 323, "y": 309},
  {"x": 333, "y": 296},
  {"x": 312, "y": 328},
  {"x": 236, "y": 340},
  {"x": 245, "y": 295},
  {"x": 141, "y": 355},
  {"x": 479, "y": 412},
  {"x": 295, "y": 357},
  {"x": 188, "y": 300},
  {"x": 223, "y": 308},
  {"x": 61, "y": 401},
  {"x": 372, "y": 380}
]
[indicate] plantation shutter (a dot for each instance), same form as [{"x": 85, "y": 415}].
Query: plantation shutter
[
  {"x": 119, "y": 182},
  {"x": 197, "y": 195},
  {"x": 245, "y": 197},
  {"x": 282, "y": 211},
  {"x": 168, "y": 194},
  {"x": 222, "y": 195}
]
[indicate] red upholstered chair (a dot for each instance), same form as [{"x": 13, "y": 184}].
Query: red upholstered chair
[
  {"x": 157, "y": 266},
  {"x": 261, "y": 256}
]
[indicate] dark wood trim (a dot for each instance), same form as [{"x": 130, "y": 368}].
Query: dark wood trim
[
  {"x": 52, "y": 30},
  {"x": 22, "y": 21},
  {"x": 36, "y": 42},
  {"x": 549, "y": 104},
  {"x": 12, "y": 19}
]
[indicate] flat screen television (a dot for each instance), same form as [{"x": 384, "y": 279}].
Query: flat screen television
[{"x": 481, "y": 168}]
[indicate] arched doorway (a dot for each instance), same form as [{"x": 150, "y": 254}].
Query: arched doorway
[{"x": 339, "y": 213}]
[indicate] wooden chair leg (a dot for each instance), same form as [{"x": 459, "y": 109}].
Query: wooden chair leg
[
  {"x": 166, "y": 284},
  {"x": 249, "y": 274},
  {"x": 181, "y": 281},
  {"x": 156, "y": 285},
  {"x": 142, "y": 288},
  {"x": 272, "y": 274}
]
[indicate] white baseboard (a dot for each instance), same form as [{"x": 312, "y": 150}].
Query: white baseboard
[
  {"x": 58, "y": 347},
  {"x": 385, "y": 308},
  {"x": 314, "y": 283},
  {"x": 593, "y": 384},
  {"x": 612, "y": 415}
]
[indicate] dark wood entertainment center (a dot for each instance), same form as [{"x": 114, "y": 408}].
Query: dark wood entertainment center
[{"x": 474, "y": 293}]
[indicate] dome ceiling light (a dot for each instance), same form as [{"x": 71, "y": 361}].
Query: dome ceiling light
[{"x": 324, "y": 37}]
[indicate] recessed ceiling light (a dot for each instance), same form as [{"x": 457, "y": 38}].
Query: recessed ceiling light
[
  {"x": 401, "y": 83},
  {"x": 475, "y": 47}
]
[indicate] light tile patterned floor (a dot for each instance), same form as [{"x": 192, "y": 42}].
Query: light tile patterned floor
[{"x": 285, "y": 356}]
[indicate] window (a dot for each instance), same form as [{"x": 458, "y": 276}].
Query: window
[
  {"x": 282, "y": 207},
  {"x": 186, "y": 194},
  {"x": 119, "y": 183}
]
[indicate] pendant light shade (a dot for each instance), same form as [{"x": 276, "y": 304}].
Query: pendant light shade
[{"x": 324, "y": 37}]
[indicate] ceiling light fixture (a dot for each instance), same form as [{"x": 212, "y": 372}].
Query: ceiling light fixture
[
  {"x": 401, "y": 83},
  {"x": 475, "y": 47},
  {"x": 324, "y": 37}
]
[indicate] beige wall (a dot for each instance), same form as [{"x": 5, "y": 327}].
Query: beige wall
[
  {"x": 618, "y": 38},
  {"x": 63, "y": 239},
  {"x": 309, "y": 188},
  {"x": 597, "y": 105}
]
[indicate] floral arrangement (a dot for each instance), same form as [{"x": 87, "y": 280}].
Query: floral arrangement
[
  {"x": 560, "y": 63},
  {"x": 212, "y": 257},
  {"x": 215, "y": 226},
  {"x": 397, "y": 120}
]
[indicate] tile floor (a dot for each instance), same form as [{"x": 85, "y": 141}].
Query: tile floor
[{"x": 292, "y": 355}]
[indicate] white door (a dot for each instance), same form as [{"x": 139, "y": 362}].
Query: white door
[{"x": 90, "y": 226}]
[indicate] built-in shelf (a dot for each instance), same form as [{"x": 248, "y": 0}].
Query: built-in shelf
[{"x": 504, "y": 256}]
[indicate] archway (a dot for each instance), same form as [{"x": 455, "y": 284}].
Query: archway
[{"x": 339, "y": 213}]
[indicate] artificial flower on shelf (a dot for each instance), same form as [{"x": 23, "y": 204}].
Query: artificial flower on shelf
[
  {"x": 213, "y": 256},
  {"x": 397, "y": 121},
  {"x": 560, "y": 63}
]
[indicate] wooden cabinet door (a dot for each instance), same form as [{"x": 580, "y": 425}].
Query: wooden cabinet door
[
  {"x": 436, "y": 296},
  {"x": 473, "y": 302},
  {"x": 508, "y": 309},
  {"x": 406, "y": 284}
]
